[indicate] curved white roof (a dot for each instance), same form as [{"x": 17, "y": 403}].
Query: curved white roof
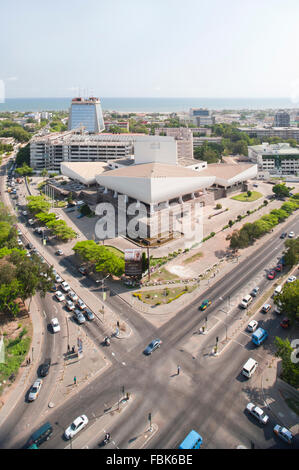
[
  {"x": 154, "y": 182},
  {"x": 85, "y": 172}
]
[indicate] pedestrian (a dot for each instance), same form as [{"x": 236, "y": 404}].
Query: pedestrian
[
  {"x": 29, "y": 360},
  {"x": 68, "y": 348},
  {"x": 75, "y": 380},
  {"x": 179, "y": 370}
]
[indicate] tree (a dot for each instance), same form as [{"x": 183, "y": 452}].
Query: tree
[
  {"x": 281, "y": 190},
  {"x": 290, "y": 370},
  {"x": 249, "y": 193},
  {"x": 24, "y": 170},
  {"x": 38, "y": 204},
  {"x": 291, "y": 254},
  {"x": 23, "y": 155},
  {"x": 44, "y": 172},
  {"x": 288, "y": 299}
]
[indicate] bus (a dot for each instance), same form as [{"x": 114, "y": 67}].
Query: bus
[{"x": 192, "y": 441}]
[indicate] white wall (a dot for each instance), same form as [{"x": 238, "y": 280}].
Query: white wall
[{"x": 156, "y": 151}]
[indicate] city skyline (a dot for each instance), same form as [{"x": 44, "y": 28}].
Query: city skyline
[{"x": 162, "y": 49}]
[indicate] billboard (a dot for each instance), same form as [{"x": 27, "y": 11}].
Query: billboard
[{"x": 133, "y": 262}]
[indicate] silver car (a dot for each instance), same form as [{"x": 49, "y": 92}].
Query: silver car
[
  {"x": 257, "y": 413},
  {"x": 34, "y": 391}
]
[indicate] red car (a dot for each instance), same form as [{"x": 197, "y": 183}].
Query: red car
[
  {"x": 285, "y": 323},
  {"x": 271, "y": 274},
  {"x": 278, "y": 268}
]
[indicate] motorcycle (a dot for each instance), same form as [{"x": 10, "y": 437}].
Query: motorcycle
[{"x": 107, "y": 341}]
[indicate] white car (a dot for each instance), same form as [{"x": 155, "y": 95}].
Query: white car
[
  {"x": 34, "y": 391},
  {"x": 76, "y": 426},
  {"x": 72, "y": 296},
  {"x": 291, "y": 234},
  {"x": 55, "y": 325},
  {"x": 24, "y": 212},
  {"x": 20, "y": 243},
  {"x": 65, "y": 286},
  {"x": 283, "y": 433},
  {"x": 81, "y": 304},
  {"x": 291, "y": 279},
  {"x": 257, "y": 413},
  {"x": 58, "y": 278},
  {"x": 252, "y": 326},
  {"x": 59, "y": 296},
  {"x": 19, "y": 232},
  {"x": 70, "y": 305}
]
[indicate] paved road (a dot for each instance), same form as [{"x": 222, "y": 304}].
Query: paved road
[{"x": 209, "y": 394}]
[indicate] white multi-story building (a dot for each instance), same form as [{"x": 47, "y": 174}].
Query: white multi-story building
[
  {"x": 275, "y": 159},
  {"x": 50, "y": 150},
  {"x": 282, "y": 132},
  {"x": 87, "y": 114}
]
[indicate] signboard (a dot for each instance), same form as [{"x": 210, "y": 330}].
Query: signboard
[{"x": 133, "y": 262}]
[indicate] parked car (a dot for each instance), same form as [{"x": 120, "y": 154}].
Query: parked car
[
  {"x": 156, "y": 343},
  {"x": 255, "y": 291},
  {"x": 59, "y": 296},
  {"x": 81, "y": 304},
  {"x": 76, "y": 426},
  {"x": 79, "y": 316},
  {"x": 65, "y": 286},
  {"x": 29, "y": 246},
  {"x": 283, "y": 235},
  {"x": 283, "y": 433},
  {"x": 266, "y": 308},
  {"x": 45, "y": 367},
  {"x": 55, "y": 325},
  {"x": 271, "y": 274},
  {"x": 291, "y": 234},
  {"x": 59, "y": 252},
  {"x": 82, "y": 270},
  {"x": 278, "y": 268},
  {"x": 58, "y": 279},
  {"x": 205, "y": 304},
  {"x": 71, "y": 294},
  {"x": 35, "y": 389},
  {"x": 285, "y": 323},
  {"x": 89, "y": 314},
  {"x": 252, "y": 326},
  {"x": 24, "y": 212},
  {"x": 257, "y": 413},
  {"x": 70, "y": 305},
  {"x": 291, "y": 279}
]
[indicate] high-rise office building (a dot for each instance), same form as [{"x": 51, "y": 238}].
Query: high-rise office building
[
  {"x": 86, "y": 113},
  {"x": 201, "y": 117},
  {"x": 282, "y": 119}
]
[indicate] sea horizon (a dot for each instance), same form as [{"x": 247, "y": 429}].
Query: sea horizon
[{"x": 154, "y": 104}]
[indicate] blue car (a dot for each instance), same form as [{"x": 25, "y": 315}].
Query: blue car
[{"x": 152, "y": 346}]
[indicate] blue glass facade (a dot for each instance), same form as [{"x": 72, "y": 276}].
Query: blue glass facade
[{"x": 87, "y": 114}]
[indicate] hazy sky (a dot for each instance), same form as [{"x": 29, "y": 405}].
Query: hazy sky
[{"x": 150, "y": 48}]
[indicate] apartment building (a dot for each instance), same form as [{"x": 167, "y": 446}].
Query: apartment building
[
  {"x": 282, "y": 132},
  {"x": 276, "y": 159},
  {"x": 282, "y": 119},
  {"x": 50, "y": 150}
]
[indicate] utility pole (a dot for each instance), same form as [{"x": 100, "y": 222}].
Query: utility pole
[{"x": 148, "y": 263}]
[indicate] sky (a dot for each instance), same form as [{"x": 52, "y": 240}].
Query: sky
[{"x": 149, "y": 48}]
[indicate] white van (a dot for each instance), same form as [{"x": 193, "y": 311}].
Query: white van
[
  {"x": 249, "y": 367},
  {"x": 246, "y": 301},
  {"x": 278, "y": 290}
]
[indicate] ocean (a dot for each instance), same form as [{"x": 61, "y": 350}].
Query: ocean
[{"x": 150, "y": 104}]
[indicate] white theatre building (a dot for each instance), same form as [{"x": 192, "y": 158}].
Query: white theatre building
[{"x": 155, "y": 182}]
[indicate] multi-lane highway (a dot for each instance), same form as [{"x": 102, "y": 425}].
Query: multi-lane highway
[{"x": 208, "y": 395}]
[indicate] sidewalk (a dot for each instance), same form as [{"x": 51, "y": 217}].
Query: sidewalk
[
  {"x": 26, "y": 374},
  {"x": 275, "y": 392}
]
